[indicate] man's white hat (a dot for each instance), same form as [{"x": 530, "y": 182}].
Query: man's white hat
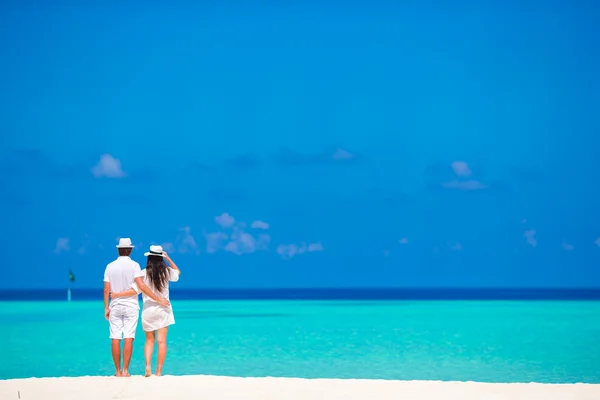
[
  {"x": 155, "y": 251},
  {"x": 125, "y": 243}
]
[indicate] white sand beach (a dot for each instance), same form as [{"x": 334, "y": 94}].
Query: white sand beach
[{"x": 215, "y": 387}]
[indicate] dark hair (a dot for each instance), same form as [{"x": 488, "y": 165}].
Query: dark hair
[
  {"x": 157, "y": 273},
  {"x": 124, "y": 251}
]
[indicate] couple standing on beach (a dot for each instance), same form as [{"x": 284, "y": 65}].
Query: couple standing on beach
[{"x": 123, "y": 281}]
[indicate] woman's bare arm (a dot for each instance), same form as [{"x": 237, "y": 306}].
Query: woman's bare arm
[{"x": 171, "y": 263}]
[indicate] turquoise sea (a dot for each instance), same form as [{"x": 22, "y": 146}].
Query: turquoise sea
[{"x": 490, "y": 341}]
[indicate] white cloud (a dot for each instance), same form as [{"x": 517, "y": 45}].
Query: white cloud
[
  {"x": 239, "y": 247},
  {"x": 403, "y": 240},
  {"x": 263, "y": 241},
  {"x": 62, "y": 245},
  {"x": 315, "y": 247},
  {"x": 460, "y": 182},
  {"x": 186, "y": 242},
  {"x": 461, "y": 169},
  {"x": 108, "y": 167},
  {"x": 464, "y": 185},
  {"x": 168, "y": 247},
  {"x": 260, "y": 225},
  {"x": 233, "y": 238},
  {"x": 567, "y": 246},
  {"x": 597, "y": 241},
  {"x": 225, "y": 220},
  {"x": 530, "y": 237},
  {"x": 241, "y": 242},
  {"x": 288, "y": 251},
  {"x": 238, "y": 241},
  {"x": 341, "y": 154},
  {"x": 215, "y": 241},
  {"x": 84, "y": 246}
]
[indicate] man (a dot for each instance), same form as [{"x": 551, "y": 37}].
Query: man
[{"x": 123, "y": 312}]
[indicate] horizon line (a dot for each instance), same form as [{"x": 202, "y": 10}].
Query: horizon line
[{"x": 332, "y": 288}]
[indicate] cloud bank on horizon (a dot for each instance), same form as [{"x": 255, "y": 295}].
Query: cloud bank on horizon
[{"x": 234, "y": 238}]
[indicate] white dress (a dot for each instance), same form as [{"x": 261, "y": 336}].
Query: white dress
[{"x": 155, "y": 316}]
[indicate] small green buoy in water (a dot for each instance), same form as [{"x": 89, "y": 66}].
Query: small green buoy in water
[{"x": 71, "y": 281}]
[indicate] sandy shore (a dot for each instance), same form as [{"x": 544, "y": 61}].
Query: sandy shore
[{"x": 214, "y": 387}]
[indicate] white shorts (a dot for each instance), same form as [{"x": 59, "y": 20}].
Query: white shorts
[{"x": 123, "y": 321}]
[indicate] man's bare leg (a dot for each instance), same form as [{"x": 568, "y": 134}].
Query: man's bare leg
[
  {"x": 148, "y": 349},
  {"x": 127, "y": 350},
  {"x": 161, "y": 338},
  {"x": 116, "y": 354}
]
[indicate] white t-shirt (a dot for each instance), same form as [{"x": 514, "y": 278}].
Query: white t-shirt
[
  {"x": 121, "y": 273},
  {"x": 173, "y": 277}
]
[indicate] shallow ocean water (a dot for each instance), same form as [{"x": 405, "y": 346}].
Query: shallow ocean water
[{"x": 489, "y": 341}]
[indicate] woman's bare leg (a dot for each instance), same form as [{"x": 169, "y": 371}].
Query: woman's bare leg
[
  {"x": 161, "y": 337},
  {"x": 148, "y": 349}
]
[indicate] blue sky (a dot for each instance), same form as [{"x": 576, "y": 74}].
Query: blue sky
[{"x": 412, "y": 145}]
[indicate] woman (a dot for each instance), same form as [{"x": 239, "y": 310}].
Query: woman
[{"x": 156, "y": 318}]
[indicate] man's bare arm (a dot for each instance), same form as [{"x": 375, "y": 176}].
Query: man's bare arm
[
  {"x": 148, "y": 292},
  {"x": 127, "y": 293}
]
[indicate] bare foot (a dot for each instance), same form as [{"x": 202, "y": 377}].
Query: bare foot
[
  {"x": 158, "y": 372},
  {"x": 125, "y": 374},
  {"x": 118, "y": 373},
  {"x": 148, "y": 372}
]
